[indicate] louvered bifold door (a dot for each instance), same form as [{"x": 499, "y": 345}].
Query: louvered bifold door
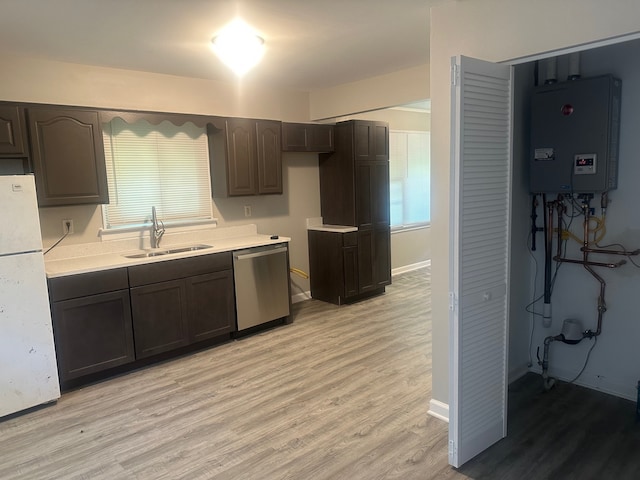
[{"x": 480, "y": 202}]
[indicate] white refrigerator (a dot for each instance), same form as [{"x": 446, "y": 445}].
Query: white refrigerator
[{"x": 28, "y": 370}]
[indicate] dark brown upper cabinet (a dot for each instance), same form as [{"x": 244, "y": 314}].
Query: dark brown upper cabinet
[
  {"x": 68, "y": 156},
  {"x": 12, "y": 132},
  {"x": 269, "y": 156},
  {"x": 250, "y": 162},
  {"x": 354, "y": 190},
  {"x": 371, "y": 141},
  {"x": 354, "y": 180},
  {"x": 307, "y": 137}
]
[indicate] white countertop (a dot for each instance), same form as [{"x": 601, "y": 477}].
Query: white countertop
[
  {"x": 316, "y": 223},
  {"x": 92, "y": 257},
  {"x": 333, "y": 228}
]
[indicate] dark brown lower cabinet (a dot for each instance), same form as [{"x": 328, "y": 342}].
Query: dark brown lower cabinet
[
  {"x": 179, "y": 302},
  {"x": 109, "y": 318},
  {"x": 345, "y": 267},
  {"x": 374, "y": 258},
  {"x": 159, "y": 317},
  {"x": 91, "y": 318},
  {"x": 211, "y": 305}
]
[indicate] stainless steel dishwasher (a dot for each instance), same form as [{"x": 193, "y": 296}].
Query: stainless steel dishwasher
[{"x": 261, "y": 276}]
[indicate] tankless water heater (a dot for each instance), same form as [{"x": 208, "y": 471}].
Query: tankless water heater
[{"x": 575, "y": 128}]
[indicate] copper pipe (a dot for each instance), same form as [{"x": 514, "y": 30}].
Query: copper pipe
[
  {"x": 602, "y": 307},
  {"x": 560, "y": 205},
  {"x": 593, "y": 264},
  {"x": 548, "y": 246},
  {"x": 612, "y": 252}
]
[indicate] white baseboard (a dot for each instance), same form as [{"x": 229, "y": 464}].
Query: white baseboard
[
  {"x": 439, "y": 410},
  {"x": 612, "y": 386},
  {"x": 301, "y": 297},
  {"x": 517, "y": 372},
  {"x": 410, "y": 268}
]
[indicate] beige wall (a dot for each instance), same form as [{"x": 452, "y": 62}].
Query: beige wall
[
  {"x": 495, "y": 30},
  {"x": 45, "y": 81},
  {"x": 398, "y": 88},
  {"x": 408, "y": 247}
]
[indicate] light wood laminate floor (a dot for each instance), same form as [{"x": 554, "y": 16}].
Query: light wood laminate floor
[{"x": 342, "y": 393}]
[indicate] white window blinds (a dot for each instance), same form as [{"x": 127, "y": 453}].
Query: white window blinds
[
  {"x": 165, "y": 166},
  {"x": 409, "y": 176}
]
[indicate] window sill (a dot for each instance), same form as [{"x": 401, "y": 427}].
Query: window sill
[
  {"x": 409, "y": 228},
  {"x": 135, "y": 231}
]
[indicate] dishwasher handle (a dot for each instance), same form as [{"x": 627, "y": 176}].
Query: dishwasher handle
[{"x": 263, "y": 253}]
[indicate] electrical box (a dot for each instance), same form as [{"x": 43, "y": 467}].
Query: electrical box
[{"x": 575, "y": 127}]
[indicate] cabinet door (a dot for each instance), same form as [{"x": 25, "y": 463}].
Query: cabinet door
[
  {"x": 371, "y": 141},
  {"x": 374, "y": 259},
  {"x": 379, "y": 194},
  {"x": 92, "y": 333},
  {"x": 365, "y": 194},
  {"x": 372, "y": 194},
  {"x": 211, "y": 305},
  {"x": 350, "y": 265},
  {"x": 321, "y": 138},
  {"x": 307, "y": 137},
  {"x": 241, "y": 157},
  {"x": 68, "y": 156},
  {"x": 269, "y": 157},
  {"x": 12, "y": 131},
  {"x": 366, "y": 271},
  {"x": 380, "y": 142},
  {"x": 295, "y": 137},
  {"x": 382, "y": 256},
  {"x": 159, "y": 317}
]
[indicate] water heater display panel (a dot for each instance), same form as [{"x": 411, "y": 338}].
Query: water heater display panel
[
  {"x": 574, "y": 136},
  {"x": 584, "y": 164}
]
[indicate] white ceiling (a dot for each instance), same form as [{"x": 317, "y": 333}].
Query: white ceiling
[{"x": 311, "y": 44}]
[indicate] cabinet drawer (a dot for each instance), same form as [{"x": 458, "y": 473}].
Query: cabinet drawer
[
  {"x": 350, "y": 239},
  {"x": 181, "y": 268},
  {"x": 84, "y": 284}
]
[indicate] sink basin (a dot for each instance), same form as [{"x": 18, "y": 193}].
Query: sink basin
[
  {"x": 157, "y": 253},
  {"x": 192, "y": 248}
]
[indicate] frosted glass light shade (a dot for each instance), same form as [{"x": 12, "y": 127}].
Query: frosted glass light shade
[{"x": 238, "y": 47}]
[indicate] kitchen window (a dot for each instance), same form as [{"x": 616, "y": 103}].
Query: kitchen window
[
  {"x": 409, "y": 177},
  {"x": 164, "y": 165}
]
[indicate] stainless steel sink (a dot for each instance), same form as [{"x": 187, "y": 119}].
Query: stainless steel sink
[{"x": 157, "y": 253}]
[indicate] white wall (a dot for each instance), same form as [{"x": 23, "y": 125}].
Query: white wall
[
  {"x": 614, "y": 362},
  {"x": 495, "y": 30}
]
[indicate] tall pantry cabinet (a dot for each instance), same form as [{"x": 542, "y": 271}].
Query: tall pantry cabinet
[{"x": 354, "y": 191}]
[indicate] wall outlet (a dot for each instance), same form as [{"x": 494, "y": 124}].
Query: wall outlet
[
  {"x": 247, "y": 210},
  {"x": 67, "y": 226}
]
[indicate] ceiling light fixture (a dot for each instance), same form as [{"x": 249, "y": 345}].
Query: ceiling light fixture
[{"x": 238, "y": 46}]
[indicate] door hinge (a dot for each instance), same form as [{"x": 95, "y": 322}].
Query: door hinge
[
  {"x": 452, "y": 448},
  {"x": 455, "y": 74},
  {"x": 453, "y": 302}
]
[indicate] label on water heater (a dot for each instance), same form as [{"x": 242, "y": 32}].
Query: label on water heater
[
  {"x": 584, "y": 164},
  {"x": 544, "y": 154}
]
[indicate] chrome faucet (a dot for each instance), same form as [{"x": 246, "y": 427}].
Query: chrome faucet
[{"x": 157, "y": 229}]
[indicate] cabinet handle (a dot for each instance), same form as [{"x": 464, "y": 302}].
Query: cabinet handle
[{"x": 263, "y": 253}]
